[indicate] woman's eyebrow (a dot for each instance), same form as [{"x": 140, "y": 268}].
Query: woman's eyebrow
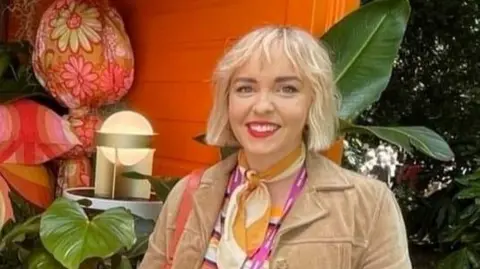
[
  {"x": 277, "y": 79},
  {"x": 245, "y": 79},
  {"x": 287, "y": 78}
]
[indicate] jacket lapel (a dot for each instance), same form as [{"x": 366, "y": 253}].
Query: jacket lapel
[
  {"x": 209, "y": 197},
  {"x": 323, "y": 176}
]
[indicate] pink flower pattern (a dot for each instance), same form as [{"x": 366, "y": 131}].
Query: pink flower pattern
[
  {"x": 113, "y": 80},
  {"x": 84, "y": 127},
  {"x": 79, "y": 77}
]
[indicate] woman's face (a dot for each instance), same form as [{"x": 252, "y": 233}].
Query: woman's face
[{"x": 268, "y": 106}]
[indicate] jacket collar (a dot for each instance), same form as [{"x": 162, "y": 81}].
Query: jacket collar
[
  {"x": 323, "y": 176},
  {"x": 322, "y": 173}
]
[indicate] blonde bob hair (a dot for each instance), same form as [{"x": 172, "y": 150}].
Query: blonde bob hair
[{"x": 310, "y": 59}]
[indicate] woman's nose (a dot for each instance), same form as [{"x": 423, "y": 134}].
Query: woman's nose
[{"x": 263, "y": 105}]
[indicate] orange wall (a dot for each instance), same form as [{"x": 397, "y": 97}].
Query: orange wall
[{"x": 176, "y": 45}]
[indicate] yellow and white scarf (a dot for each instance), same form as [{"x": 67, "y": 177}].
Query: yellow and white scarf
[{"x": 249, "y": 209}]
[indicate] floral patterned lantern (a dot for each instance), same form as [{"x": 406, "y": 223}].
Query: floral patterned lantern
[{"x": 83, "y": 57}]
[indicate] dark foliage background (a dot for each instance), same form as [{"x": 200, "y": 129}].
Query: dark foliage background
[{"x": 435, "y": 83}]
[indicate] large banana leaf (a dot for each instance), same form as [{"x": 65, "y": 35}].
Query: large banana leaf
[
  {"x": 365, "y": 44},
  {"x": 406, "y": 137},
  {"x": 68, "y": 234}
]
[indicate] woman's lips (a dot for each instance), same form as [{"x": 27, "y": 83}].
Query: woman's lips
[{"x": 262, "y": 129}]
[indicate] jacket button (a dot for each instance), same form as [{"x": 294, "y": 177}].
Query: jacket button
[{"x": 281, "y": 264}]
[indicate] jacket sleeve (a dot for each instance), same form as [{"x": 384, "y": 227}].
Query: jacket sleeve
[
  {"x": 156, "y": 254},
  {"x": 387, "y": 246}
]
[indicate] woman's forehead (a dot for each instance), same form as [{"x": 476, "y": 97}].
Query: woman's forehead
[{"x": 274, "y": 60}]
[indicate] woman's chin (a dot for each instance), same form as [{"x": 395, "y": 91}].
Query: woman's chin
[{"x": 262, "y": 148}]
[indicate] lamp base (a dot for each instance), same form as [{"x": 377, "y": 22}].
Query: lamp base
[{"x": 147, "y": 209}]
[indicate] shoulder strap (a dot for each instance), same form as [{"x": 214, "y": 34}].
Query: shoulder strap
[{"x": 185, "y": 206}]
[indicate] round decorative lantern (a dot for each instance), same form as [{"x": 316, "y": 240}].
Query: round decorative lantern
[{"x": 83, "y": 57}]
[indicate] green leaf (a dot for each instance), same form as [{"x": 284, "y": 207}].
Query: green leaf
[
  {"x": 470, "y": 179},
  {"x": 42, "y": 259},
  {"x": 23, "y": 254},
  {"x": 470, "y": 237},
  {"x": 139, "y": 248},
  {"x": 469, "y": 193},
  {"x": 17, "y": 79},
  {"x": 453, "y": 234},
  {"x": 441, "y": 215},
  {"x": 71, "y": 237},
  {"x": 421, "y": 138},
  {"x": 12, "y": 90},
  {"x": 125, "y": 263},
  {"x": 457, "y": 259},
  {"x": 468, "y": 211},
  {"x": 161, "y": 185},
  {"x": 19, "y": 232},
  {"x": 143, "y": 229},
  {"x": 224, "y": 151},
  {"x": 473, "y": 257},
  {"x": 365, "y": 44}
]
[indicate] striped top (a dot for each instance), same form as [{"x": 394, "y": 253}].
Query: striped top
[{"x": 211, "y": 254}]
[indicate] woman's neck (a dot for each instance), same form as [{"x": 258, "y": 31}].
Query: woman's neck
[{"x": 262, "y": 162}]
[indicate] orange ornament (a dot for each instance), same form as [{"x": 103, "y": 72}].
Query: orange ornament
[{"x": 83, "y": 55}]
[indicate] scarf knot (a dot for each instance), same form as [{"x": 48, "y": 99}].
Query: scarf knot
[{"x": 253, "y": 179}]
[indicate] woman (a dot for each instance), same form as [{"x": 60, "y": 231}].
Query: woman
[{"x": 278, "y": 204}]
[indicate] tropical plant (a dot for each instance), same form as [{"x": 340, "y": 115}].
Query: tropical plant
[
  {"x": 435, "y": 83},
  {"x": 463, "y": 234},
  {"x": 17, "y": 79},
  {"x": 67, "y": 236},
  {"x": 366, "y": 44}
]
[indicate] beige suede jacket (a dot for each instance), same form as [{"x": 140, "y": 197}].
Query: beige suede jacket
[{"x": 341, "y": 220}]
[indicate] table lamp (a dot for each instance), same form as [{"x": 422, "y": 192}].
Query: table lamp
[{"x": 123, "y": 145}]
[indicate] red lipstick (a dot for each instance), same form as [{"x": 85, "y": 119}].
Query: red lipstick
[{"x": 262, "y": 129}]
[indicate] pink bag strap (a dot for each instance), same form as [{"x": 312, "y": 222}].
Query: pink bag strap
[{"x": 184, "y": 209}]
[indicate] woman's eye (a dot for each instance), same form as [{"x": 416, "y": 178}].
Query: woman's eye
[
  {"x": 289, "y": 89},
  {"x": 244, "y": 89}
]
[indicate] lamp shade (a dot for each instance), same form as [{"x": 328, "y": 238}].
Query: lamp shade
[{"x": 128, "y": 123}]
